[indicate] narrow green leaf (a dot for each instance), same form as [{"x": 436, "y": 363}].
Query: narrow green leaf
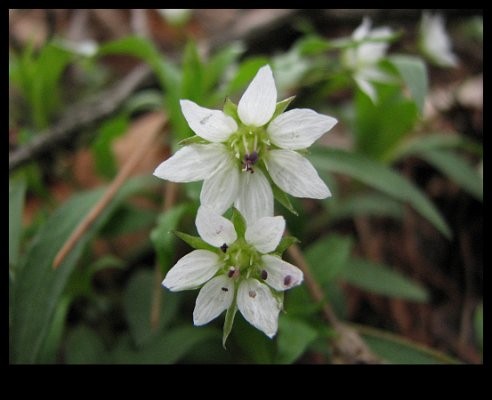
[
  {"x": 282, "y": 105},
  {"x": 239, "y": 222},
  {"x": 285, "y": 243},
  {"x": 328, "y": 256},
  {"x": 293, "y": 339},
  {"x": 414, "y": 73},
  {"x": 191, "y": 140},
  {"x": 245, "y": 73},
  {"x": 193, "y": 74},
  {"x": 38, "y": 287},
  {"x": 137, "y": 303},
  {"x": 379, "y": 177},
  {"x": 229, "y": 321},
  {"x": 17, "y": 190},
  {"x": 380, "y": 279},
  {"x": 230, "y": 109},
  {"x": 457, "y": 169},
  {"x": 195, "y": 241},
  {"x": 283, "y": 199},
  {"x": 219, "y": 62}
]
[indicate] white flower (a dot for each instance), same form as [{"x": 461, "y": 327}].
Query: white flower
[
  {"x": 238, "y": 154},
  {"x": 241, "y": 268},
  {"x": 435, "y": 42},
  {"x": 362, "y": 58}
]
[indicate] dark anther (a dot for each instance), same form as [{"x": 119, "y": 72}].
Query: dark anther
[
  {"x": 264, "y": 274},
  {"x": 224, "y": 247},
  {"x": 252, "y": 294},
  {"x": 225, "y": 289},
  {"x": 249, "y": 161},
  {"x": 287, "y": 280},
  {"x": 231, "y": 272}
]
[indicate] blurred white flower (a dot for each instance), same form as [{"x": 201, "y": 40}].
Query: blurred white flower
[
  {"x": 362, "y": 58},
  {"x": 435, "y": 42},
  {"x": 238, "y": 153},
  {"x": 241, "y": 270}
]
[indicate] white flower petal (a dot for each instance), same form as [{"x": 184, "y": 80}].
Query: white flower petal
[
  {"x": 192, "y": 270},
  {"x": 214, "y": 297},
  {"x": 299, "y": 128},
  {"x": 221, "y": 189},
  {"x": 367, "y": 87},
  {"x": 280, "y": 274},
  {"x": 295, "y": 175},
  {"x": 258, "y": 306},
  {"x": 213, "y": 228},
  {"x": 258, "y": 102},
  {"x": 363, "y": 29},
  {"x": 435, "y": 41},
  {"x": 265, "y": 233},
  {"x": 212, "y": 125},
  {"x": 255, "y": 197},
  {"x": 192, "y": 163}
]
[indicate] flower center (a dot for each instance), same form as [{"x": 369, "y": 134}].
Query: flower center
[
  {"x": 241, "y": 260},
  {"x": 248, "y": 145}
]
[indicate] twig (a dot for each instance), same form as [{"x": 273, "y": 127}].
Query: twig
[
  {"x": 348, "y": 346},
  {"x": 108, "y": 195},
  {"x": 79, "y": 117}
]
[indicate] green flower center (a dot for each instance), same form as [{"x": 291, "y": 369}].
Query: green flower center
[
  {"x": 249, "y": 145},
  {"x": 242, "y": 261}
]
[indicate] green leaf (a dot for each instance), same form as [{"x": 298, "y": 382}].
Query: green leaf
[
  {"x": 167, "y": 348},
  {"x": 379, "y": 127},
  {"x": 239, "y": 222},
  {"x": 195, "y": 241},
  {"x": 256, "y": 346},
  {"x": 478, "y": 326},
  {"x": 192, "y": 140},
  {"x": 365, "y": 204},
  {"x": 102, "y": 146},
  {"x": 137, "y": 303},
  {"x": 414, "y": 73},
  {"x": 162, "y": 235},
  {"x": 328, "y": 256},
  {"x": 230, "y": 109},
  {"x": 282, "y": 105},
  {"x": 193, "y": 74},
  {"x": 84, "y": 346},
  {"x": 285, "y": 243},
  {"x": 293, "y": 339},
  {"x": 398, "y": 350},
  {"x": 38, "y": 287},
  {"x": 219, "y": 62},
  {"x": 17, "y": 190},
  {"x": 380, "y": 279},
  {"x": 129, "y": 219},
  {"x": 380, "y": 177},
  {"x": 229, "y": 321},
  {"x": 283, "y": 199},
  {"x": 457, "y": 169}
]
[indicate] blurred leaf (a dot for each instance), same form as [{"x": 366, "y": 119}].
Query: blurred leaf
[
  {"x": 380, "y": 177},
  {"x": 293, "y": 339},
  {"x": 245, "y": 74},
  {"x": 398, "y": 350},
  {"x": 380, "y": 279},
  {"x": 128, "y": 219},
  {"x": 256, "y": 346},
  {"x": 219, "y": 62},
  {"x": 378, "y": 127},
  {"x": 102, "y": 146},
  {"x": 457, "y": 169},
  {"x": 137, "y": 303},
  {"x": 38, "y": 287},
  {"x": 328, "y": 256},
  {"x": 51, "y": 344},
  {"x": 144, "y": 100},
  {"x": 17, "y": 190},
  {"x": 365, "y": 204},
  {"x": 414, "y": 73},
  {"x": 84, "y": 346},
  {"x": 167, "y": 348},
  {"x": 312, "y": 45},
  {"x": 162, "y": 235},
  {"x": 193, "y": 74},
  {"x": 478, "y": 326}
]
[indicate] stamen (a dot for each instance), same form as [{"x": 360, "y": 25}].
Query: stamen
[
  {"x": 264, "y": 274},
  {"x": 231, "y": 272},
  {"x": 252, "y": 294},
  {"x": 224, "y": 289},
  {"x": 224, "y": 247},
  {"x": 287, "y": 280}
]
